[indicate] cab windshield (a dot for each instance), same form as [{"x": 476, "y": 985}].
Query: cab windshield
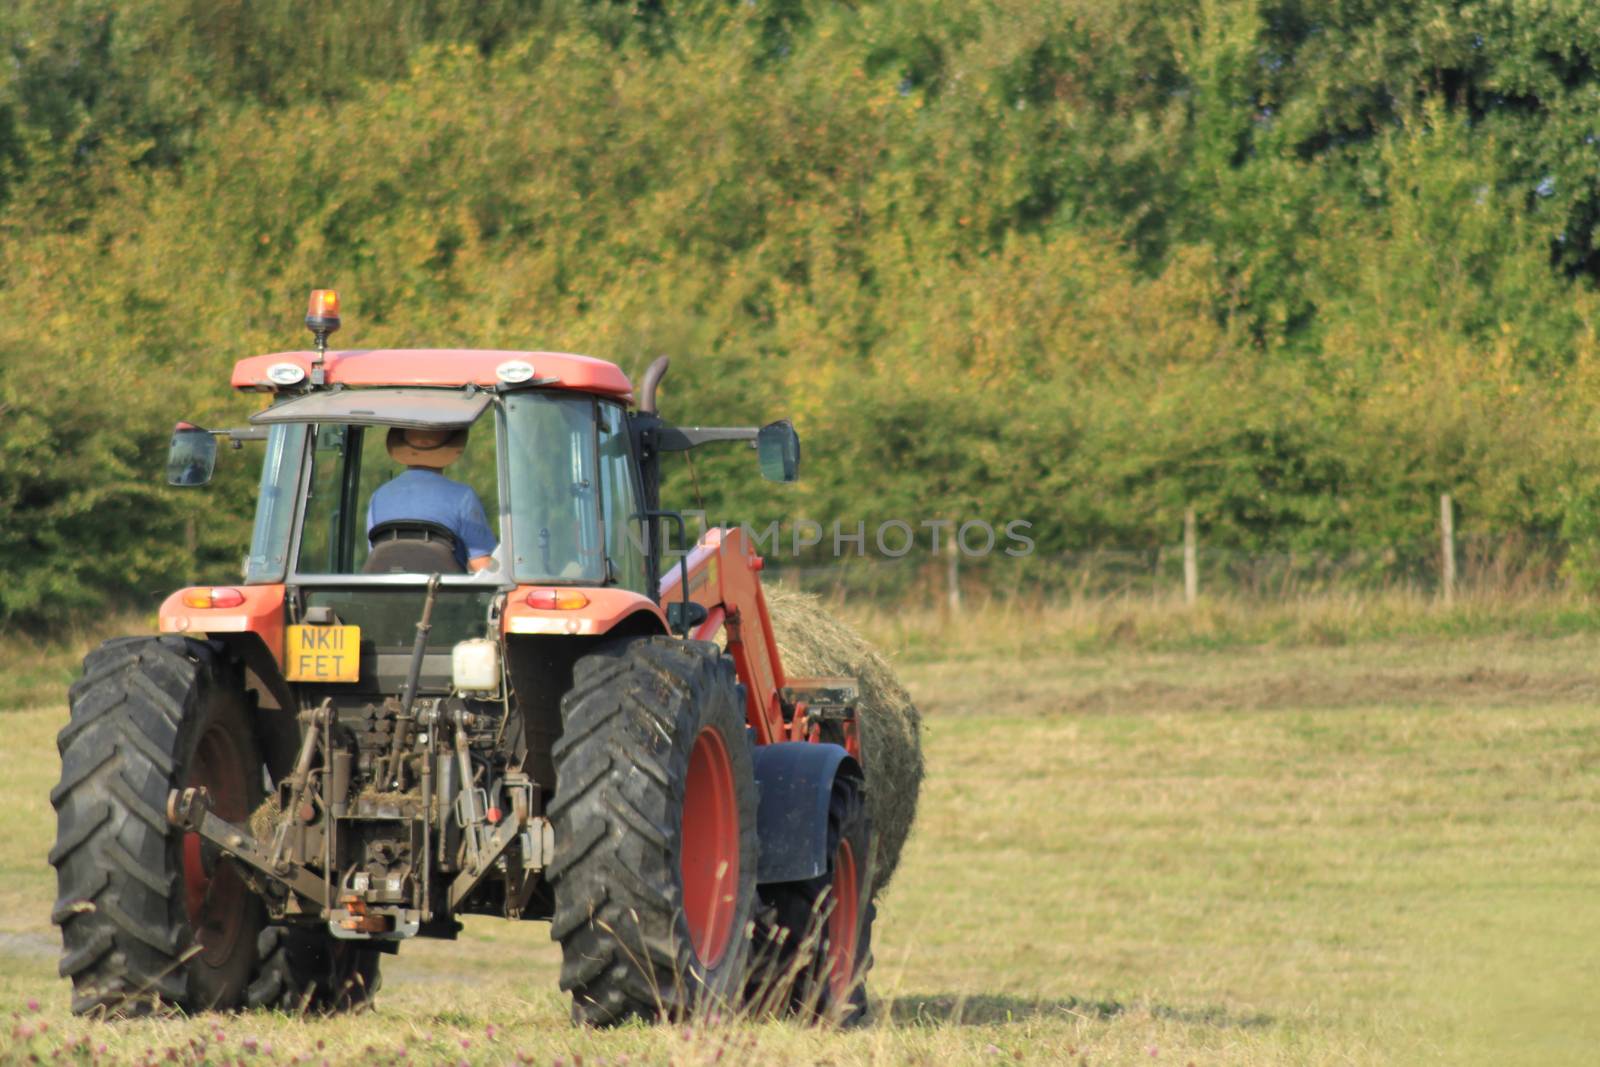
[{"x": 351, "y": 469}]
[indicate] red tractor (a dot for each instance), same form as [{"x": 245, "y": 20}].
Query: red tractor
[{"x": 387, "y": 726}]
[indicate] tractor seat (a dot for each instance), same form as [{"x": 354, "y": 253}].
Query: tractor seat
[{"x": 412, "y": 546}]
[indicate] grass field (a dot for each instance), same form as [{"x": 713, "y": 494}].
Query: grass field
[{"x": 1356, "y": 849}]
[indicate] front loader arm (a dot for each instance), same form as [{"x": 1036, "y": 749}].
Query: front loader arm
[{"x": 724, "y": 579}]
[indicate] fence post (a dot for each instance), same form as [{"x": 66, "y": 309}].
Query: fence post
[
  {"x": 1447, "y": 549},
  {"x": 1191, "y": 558},
  {"x": 953, "y": 573}
]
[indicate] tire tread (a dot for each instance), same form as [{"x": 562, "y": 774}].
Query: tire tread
[
  {"x": 120, "y": 753},
  {"x": 621, "y": 763}
]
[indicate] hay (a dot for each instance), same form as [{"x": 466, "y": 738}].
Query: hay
[
  {"x": 813, "y": 643},
  {"x": 264, "y": 820}
]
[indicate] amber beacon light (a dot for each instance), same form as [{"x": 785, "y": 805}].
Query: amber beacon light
[
  {"x": 322, "y": 318},
  {"x": 322, "y": 314}
]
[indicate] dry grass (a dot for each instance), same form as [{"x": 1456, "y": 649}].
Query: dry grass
[
  {"x": 1018, "y": 627},
  {"x": 1380, "y": 851}
]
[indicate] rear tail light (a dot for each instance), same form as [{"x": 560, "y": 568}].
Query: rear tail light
[
  {"x": 212, "y": 597},
  {"x": 557, "y": 599}
]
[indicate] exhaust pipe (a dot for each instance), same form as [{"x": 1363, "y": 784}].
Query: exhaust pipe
[{"x": 652, "y": 378}]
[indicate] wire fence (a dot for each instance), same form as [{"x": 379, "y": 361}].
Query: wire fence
[{"x": 1513, "y": 564}]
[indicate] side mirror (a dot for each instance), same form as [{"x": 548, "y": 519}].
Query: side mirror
[
  {"x": 192, "y": 456},
  {"x": 778, "y": 448}
]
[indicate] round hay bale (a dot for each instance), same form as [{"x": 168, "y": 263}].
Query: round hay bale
[{"x": 814, "y": 643}]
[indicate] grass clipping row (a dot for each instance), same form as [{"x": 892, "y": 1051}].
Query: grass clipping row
[{"x": 813, "y": 643}]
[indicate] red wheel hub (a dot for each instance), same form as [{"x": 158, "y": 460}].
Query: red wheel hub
[
  {"x": 709, "y": 862},
  {"x": 214, "y": 895},
  {"x": 843, "y": 923}
]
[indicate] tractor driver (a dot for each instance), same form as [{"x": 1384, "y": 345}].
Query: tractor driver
[{"x": 423, "y": 494}]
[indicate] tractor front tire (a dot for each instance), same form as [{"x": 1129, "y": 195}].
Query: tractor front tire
[
  {"x": 655, "y": 828},
  {"x": 814, "y": 946},
  {"x": 150, "y": 915},
  {"x": 308, "y": 971}
]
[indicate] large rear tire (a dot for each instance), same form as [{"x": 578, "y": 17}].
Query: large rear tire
[
  {"x": 814, "y": 946},
  {"x": 150, "y": 915},
  {"x": 655, "y": 828}
]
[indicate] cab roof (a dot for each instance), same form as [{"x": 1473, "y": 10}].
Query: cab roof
[{"x": 439, "y": 367}]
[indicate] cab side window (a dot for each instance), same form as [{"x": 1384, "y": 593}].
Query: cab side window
[
  {"x": 326, "y": 539},
  {"x": 620, "y": 500}
]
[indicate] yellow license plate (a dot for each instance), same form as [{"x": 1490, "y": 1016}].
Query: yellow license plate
[{"x": 322, "y": 653}]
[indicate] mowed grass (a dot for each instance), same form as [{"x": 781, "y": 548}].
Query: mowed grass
[{"x": 1378, "y": 852}]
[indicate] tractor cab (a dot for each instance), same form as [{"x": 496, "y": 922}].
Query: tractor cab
[
  {"x": 562, "y": 480},
  {"x": 540, "y": 490},
  {"x": 561, "y": 465}
]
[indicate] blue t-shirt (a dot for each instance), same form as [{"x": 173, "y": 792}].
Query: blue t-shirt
[{"x": 428, "y": 496}]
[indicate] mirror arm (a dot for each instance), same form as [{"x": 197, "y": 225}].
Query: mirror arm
[
  {"x": 682, "y": 438},
  {"x": 241, "y": 434}
]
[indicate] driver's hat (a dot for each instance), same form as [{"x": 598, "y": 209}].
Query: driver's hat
[{"x": 426, "y": 448}]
